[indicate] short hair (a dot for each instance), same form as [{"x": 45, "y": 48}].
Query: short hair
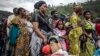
[
  {"x": 20, "y": 9},
  {"x": 15, "y": 10},
  {"x": 87, "y": 12},
  {"x": 52, "y": 12}
]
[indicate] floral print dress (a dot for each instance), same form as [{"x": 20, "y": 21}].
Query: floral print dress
[{"x": 22, "y": 43}]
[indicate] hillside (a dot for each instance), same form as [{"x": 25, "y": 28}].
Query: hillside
[{"x": 4, "y": 14}]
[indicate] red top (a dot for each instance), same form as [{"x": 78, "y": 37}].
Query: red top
[{"x": 98, "y": 29}]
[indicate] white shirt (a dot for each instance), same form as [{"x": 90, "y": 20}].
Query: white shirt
[
  {"x": 60, "y": 51},
  {"x": 10, "y": 18},
  {"x": 29, "y": 26}
]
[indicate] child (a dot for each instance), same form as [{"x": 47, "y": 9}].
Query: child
[{"x": 60, "y": 31}]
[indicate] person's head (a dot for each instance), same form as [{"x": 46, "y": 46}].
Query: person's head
[
  {"x": 78, "y": 9},
  {"x": 27, "y": 15},
  {"x": 97, "y": 20},
  {"x": 41, "y": 6},
  {"x": 21, "y": 12},
  {"x": 62, "y": 17},
  {"x": 54, "y": 14},
  {"x": 15, "y": 11},
  {"x": 87, "y": 14},
  {"x": 60, "y": 25}
]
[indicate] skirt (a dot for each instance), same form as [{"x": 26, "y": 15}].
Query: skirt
[{"x": 35, "y": 45}]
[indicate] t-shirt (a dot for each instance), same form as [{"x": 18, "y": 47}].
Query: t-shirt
[{"x": 42, "y": 25}]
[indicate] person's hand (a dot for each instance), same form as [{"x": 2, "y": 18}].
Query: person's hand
[{"x": 81, "y": 23}]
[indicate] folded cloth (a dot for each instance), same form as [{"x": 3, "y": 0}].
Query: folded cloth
[{"x": 60, "y": 52}]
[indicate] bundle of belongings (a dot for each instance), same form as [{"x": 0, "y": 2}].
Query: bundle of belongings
[{"x": 53, "y": 48}]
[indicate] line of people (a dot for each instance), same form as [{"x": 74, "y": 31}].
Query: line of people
[{"x": 39, "y": 35}]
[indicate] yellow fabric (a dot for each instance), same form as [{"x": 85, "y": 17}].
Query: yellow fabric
[
  {"x": 74, "y": 20},
  {"x": 74, "y": 35},
  {"x": 88, "y": 25},
  {"x": 67, "y": 24},
  {"x": 90, "y": 48},
  {"x": 16, "y": 20},
  {"x": 22, "y": 43}
]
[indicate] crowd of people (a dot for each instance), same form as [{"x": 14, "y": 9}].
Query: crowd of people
[{"x": 40, "y": 35}]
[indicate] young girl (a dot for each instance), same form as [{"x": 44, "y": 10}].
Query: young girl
[{"x": 60, "y": 31}]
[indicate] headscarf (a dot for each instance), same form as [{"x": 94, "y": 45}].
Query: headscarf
[
  {"x": 78, "y": 7},
  {"x": 39, "y": 4}
]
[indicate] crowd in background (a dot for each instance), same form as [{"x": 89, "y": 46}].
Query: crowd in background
[{"x": 23, "y": 34}]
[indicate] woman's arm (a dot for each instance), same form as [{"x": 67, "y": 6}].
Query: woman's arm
[{"x": 37, "y": 31}]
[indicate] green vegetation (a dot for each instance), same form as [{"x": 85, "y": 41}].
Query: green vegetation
[{"x": 93, "y": 6}]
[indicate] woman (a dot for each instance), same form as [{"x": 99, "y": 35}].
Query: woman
[
  {"x": 41, "y": 28},
  {"x": 61, "y": 31},
  {"x": 22, "y": 42},
  {"x": 12, "y": 31},
  {"x": 29, "y": 24},
  {"x": 88, "y": 45},
  {"x": 76, "y": 31}
]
